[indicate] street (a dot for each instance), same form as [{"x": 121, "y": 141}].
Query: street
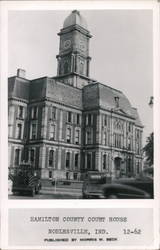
[{"x": 51, "y": 193}]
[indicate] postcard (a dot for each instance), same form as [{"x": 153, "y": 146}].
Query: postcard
[{"x": 80, "y": 103}]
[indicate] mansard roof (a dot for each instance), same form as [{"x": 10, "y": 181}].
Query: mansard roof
[
  {"x": 98, "y": 95},
  {"x": 44, "y": 88},
  {"x": 93, "y": 96},
  {"x": 18, "y": 88}
]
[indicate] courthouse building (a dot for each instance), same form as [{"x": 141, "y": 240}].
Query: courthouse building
[{"x": 68, "y": 124}]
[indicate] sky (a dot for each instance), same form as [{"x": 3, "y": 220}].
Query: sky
[{"x": 121, "y": 49}]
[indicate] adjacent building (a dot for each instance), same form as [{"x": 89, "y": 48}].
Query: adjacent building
[{"x": 69, "y": 124}]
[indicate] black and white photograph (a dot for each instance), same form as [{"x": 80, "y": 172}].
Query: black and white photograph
[
  {"x": 80, "y": 104},
  {"x": 79, "y": 128}
]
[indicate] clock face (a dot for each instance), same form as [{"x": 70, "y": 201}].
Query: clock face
[
  {"x": 67, "y": 44},
  {"x": 82, "y": 45}
]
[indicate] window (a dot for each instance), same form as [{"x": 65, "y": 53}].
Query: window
[
  {"x": 105, "y": 120},
  {"x": 68, "y": 160},
  {"x": 67, "y": 175},
  {"x": 104, "y": 161},
  {"x": 118, "y": 140},
  {"x": 129, "y": 165},
  {"x": 89, "y": 160},
  {"x": 89, "y": 119},
  {"x": 129, "y": 126},
  {"x": 43, "y": 121},
  {"x": 75, "y": 176},
  {"x": 26, "y": 154},
  {"x": 76, "y": 163},
  {"x": 52, "y": 131},
  {"x": 32, "y": 155},
  {"x": 53, "y": 113},
  {"x": 137, "y": 134},
  {"x": 34, "y": 111},
  {"x": 138, "y": 167},
  {"x": 86, "y": 119},
  {"x": 88, "y": 137},
  {"x": 19, "y": 131},
  {"x": 129, "y": 143},
  {"x": 69, "y": 116},
  {"x": 51, "y": 158},
  {"x": 50, "y": 174},
  {"x": 78, "y": 119},
  {"x": 116, "y": 98},
  {"x": 33, "y": 131},
  {"x": 20, "y": 112},
  {"x": 17, "y": 156},
  {"x": 104, "y": 138},
  {"x": 77, "y": 136},
  {"x": 68, "y": 137}
]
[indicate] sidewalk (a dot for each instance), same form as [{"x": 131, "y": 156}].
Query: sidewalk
[
  {"x": 61, "y": 191},
  {"x": 60, "y": 184},
  {"x": 72, "y": 188}
]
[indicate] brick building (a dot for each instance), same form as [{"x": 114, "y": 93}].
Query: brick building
[{"x": 70, "y": 123}]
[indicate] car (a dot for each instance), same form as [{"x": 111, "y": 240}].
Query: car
[
  {"x": 93, "y": 184},
  {"x": 129, "y": 188}
]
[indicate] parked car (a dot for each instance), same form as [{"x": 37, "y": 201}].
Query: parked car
[
  {"x": 93, "y": 184},
  {"x": 129, "y": 188}
]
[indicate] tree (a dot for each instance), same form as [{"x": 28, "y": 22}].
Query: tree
[{"x": 148, "y": 149}]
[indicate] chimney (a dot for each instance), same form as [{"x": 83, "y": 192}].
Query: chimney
[{"x": 21, "y": 73}]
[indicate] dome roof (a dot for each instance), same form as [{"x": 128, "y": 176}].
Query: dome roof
[{"x": 75, "y": 18}]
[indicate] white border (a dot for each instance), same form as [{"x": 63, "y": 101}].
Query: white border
[{"x": 6, "y": 6}]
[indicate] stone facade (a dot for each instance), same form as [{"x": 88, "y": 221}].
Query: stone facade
[{"x": 69, "y": 124}]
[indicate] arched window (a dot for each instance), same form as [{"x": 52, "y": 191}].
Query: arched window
[{"x": 51, "y": 158}]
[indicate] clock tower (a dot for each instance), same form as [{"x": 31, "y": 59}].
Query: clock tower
[{"x": 73, "y": 59}]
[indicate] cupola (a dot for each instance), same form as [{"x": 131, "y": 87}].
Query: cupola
[{"x": 75, "y": 18}]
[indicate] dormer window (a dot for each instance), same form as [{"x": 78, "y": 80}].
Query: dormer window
[{"x": 116, "y": 98}]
